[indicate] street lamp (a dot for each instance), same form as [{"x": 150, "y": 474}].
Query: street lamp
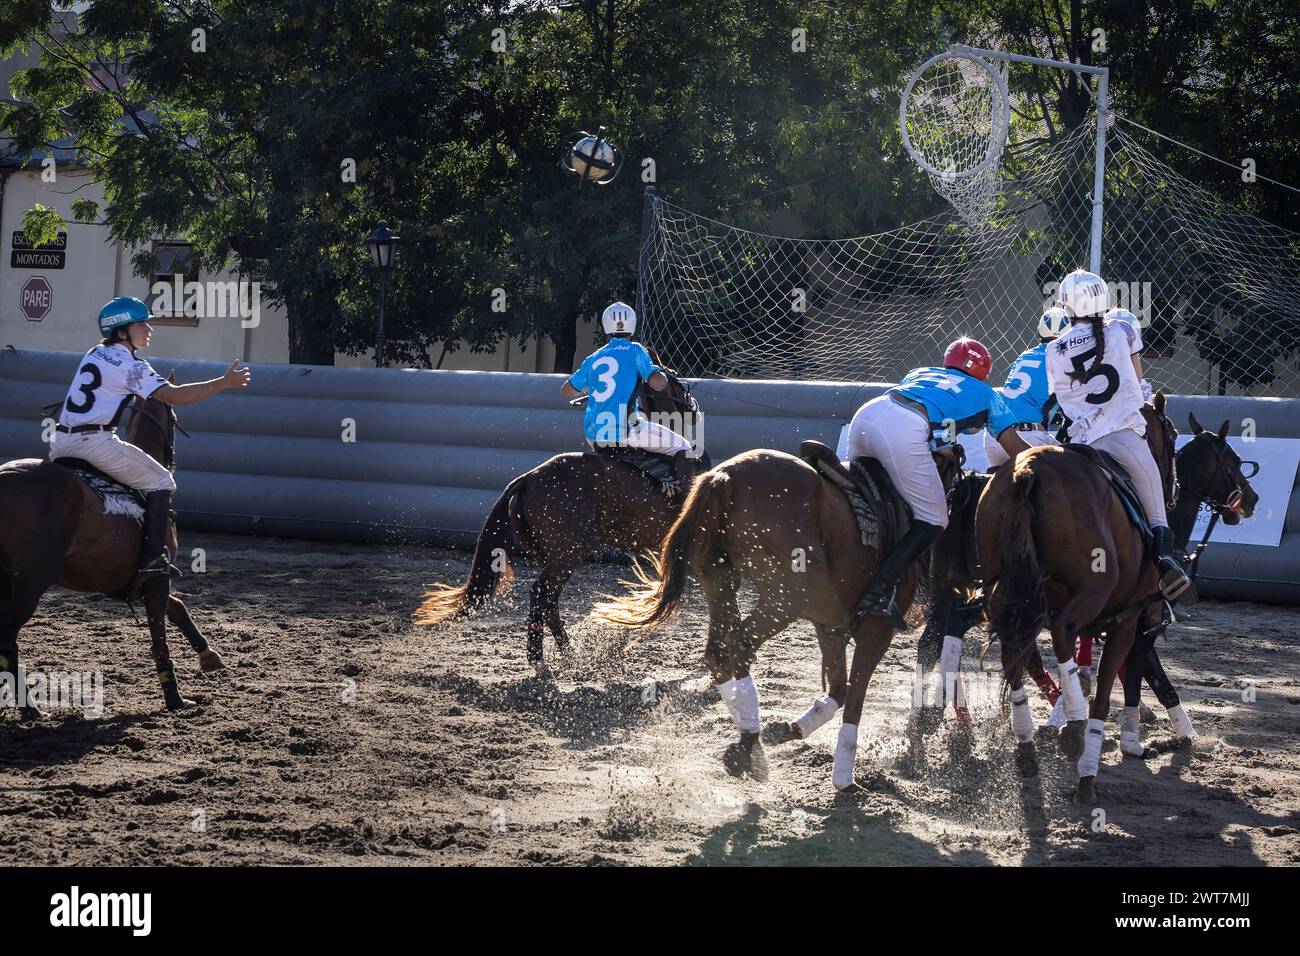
[{"x": 383, "y": 249}]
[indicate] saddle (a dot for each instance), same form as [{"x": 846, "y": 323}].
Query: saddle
[
  {"x": 118, "y": 499},
  {"x": 656, "y": 467},
  {"x": 1121, "y": 484},
  {"x": 882, "y": 515}
]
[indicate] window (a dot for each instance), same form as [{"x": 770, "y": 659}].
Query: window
[{"x": 173, "y": 264}]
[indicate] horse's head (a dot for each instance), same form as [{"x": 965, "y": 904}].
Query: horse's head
[
  {"x": 153, "y": 428},
  {"x": 1216, "y": 474},
  {"x": 1161, "y": 435}
]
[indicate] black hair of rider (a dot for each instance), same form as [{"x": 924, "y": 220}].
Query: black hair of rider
[{"x": 1098, "y": 321}]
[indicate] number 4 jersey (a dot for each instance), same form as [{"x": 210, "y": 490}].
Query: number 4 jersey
[
  {"x": 107, "y": 377},
  {"x": 1108, "y": 395}
]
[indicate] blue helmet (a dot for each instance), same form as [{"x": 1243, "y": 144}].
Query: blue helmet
[{"x": 124, "y": 310}]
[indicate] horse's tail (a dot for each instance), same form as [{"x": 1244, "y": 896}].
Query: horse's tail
[
  {"x": 656, "y": 594},
  {"x": 1021, "y": 608},
  {"x": 491, "y": 570}
]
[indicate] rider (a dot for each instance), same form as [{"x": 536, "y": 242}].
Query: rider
[
  {"x": 610, "y": 377},
  {"x": 1028, "y": 414},
  {"x": 1094, "y": 372},
  {"x": 903, "y": 428},
  {"x": 107, "y": 377}
]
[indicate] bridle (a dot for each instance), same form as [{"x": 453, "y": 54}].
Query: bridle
[
  {"x": 1171, "y": 486},
  {"x": 1231, "y": 504},
  {"x": 168, "y": 432}
]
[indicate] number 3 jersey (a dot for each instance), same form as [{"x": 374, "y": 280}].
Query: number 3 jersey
[
  {"x": 106, "y": 379},
  {"x": 1107, "y": 396},
  {"x": 610, "y": 377}
]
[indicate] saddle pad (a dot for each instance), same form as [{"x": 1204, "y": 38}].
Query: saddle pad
[
  {"x": 118, "y": 499},
  {"x": 880, "y": 512}
]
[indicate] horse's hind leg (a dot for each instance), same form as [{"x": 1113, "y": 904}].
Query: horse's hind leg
[
  {"x": 18, "y": 601},
  {"x": 833, "y": 644},
  {"x": 179, "y": 614},
  {"x": 872, "y": 640},
  {"x": 155, "y": 604},
  {"x": 1117, "y": 648},
  {"x": 543, "y": 612},
  {"x": 1076, "y": 614}
]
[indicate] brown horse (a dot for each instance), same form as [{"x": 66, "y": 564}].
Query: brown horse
[
  {"x": 558, "y": 515},
  {"x": 1056, "y": 546},
  {"x": 772, "y": 519},
  {"x": 54, "y": 530}
]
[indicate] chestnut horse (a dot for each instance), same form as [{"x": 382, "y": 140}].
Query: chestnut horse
[
  {"x": 53, "y": 530},
  {"x": 1056, "y": 547},
  {"x": 772, "y": 519},
  {"x": 558, "y": 515}
]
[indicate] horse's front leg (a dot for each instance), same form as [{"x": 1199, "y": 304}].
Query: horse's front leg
[
  {"x": 555, "y": 582},
  {"x": 155, "y": 603},
  {"x": 209, "y": 660},
  {"x": 872, "y": 640}
]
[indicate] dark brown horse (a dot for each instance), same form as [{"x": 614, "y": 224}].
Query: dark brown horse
[
  {"x": 54, "y": 530},
  {"x": 1057, "y": 547},
  {"x": 770, "y": 518},
  {"x": 558, "y": 515}
]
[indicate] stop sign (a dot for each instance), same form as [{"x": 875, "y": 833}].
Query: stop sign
[{"x": 36, "y": 298}]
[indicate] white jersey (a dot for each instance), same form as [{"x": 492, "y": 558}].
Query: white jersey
[
  {"x": 1109, "y": 396},
  {"x": 108, "y": 376}
]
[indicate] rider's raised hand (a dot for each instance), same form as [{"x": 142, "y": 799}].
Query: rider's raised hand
[{"x": 236, "y": 377}]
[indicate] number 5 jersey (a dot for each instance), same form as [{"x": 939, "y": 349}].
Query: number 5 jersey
[
  {"x": 107, "y": 377},
  {"x": 1106, "y": 396}
]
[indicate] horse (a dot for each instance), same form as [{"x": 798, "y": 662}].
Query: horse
[
  {"x": 1209, "y": 472},
  {"x": 1056, "y": 546},
  {"x": 54, "y": 530},
  {"x": 558, "y": 514},
  {"x": 772, "y": 519}
]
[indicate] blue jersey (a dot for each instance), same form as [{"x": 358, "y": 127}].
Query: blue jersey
[
  {"x": 610, "y": 377},
  {"x": 1025, "y": 396},
  {"x": 955, "y": 402}
]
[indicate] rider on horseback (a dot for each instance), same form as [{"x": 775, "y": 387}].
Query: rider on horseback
[
  {"x": 108, "y": 376},
  {"x": 1103, "y": 400},
  {"x": 903, "y": 429},
  {"x": 610, "y": 377},
  {"x": 1029, "y": 412}
]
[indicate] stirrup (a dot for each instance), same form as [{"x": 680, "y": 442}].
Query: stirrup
[
  {"x": 1177, "y": 587},
  {"x": 883, "y": 606}
]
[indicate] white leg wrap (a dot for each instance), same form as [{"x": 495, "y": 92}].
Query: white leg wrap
[
  {"x": 1022, "y": 718},
  {"x": 846, "y": 752},
  {"x": 1092, "y": 741},
  {"x": 1182, "y": 723},
  {"x": 1130, "y": 732},
  {"x": 950, "y": 669},
  {"x": 1057, "y": 717},
  {"x": 1076, "y": 705},
  {"x": 741, "y": 697},
  {"x": 822, "y": 710}
]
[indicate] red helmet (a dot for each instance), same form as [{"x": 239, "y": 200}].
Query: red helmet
[{"x": 969, "y": 356}]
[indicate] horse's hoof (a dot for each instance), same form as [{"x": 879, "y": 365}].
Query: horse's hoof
[
  {"x": 1071, "y": 739},
  {"x": 181, "y": 703},
  {"x": 210, "y": 662},
  {"x": 29, "y": 714},
  {"x": 1086, "y": 793},
  {"x": 1026, "y": 760},
  {"x": 780, "y": 732},
  {"x": 542, "y": 671},
  {"x": 746, "y": 758},
  {"x": 1146, "y": 715},
  {"x": 1085, "y": 681}
]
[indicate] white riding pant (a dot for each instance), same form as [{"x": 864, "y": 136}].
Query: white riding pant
[
  {"x": 997, "y": 455},
  {"x": 900, "y": 439},
  {"x": 115, "y": 458},
  {"x": 1132, "y": 451},
  {"x": 651, "y": 436}
]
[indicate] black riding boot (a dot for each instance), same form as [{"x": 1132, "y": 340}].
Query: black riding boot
[
  {"x": 879, "y": 597},
  {"x": 683, "y": 472},
  {"x": 1175, "y": 585},
  {"x": 153, "y": 554}
]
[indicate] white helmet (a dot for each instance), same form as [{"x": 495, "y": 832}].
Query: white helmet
[
  {"x": 1053, "y": 323},
  {"x": 619, "y": 318},
  {"x": 1083, "y": 294},
  {"x": 1129, "y": 319}
]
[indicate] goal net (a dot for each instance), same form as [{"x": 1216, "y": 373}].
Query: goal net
[{"x": 1215, "y": 287}]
